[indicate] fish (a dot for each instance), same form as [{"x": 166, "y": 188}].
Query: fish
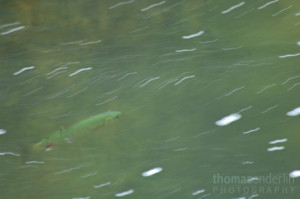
[{"x": 90, "y": 124}]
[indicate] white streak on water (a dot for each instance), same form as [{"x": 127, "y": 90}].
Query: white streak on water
[
  {"x": 202, "y": 133},
  {"x": 269, "y": 3},
  {"x": 29, "y": 165},
  {"x": 91, "y": 42},
  {"x": 113, "y": 91},
  {"x": 186, "y": 50},
  {"x": 298, "y": 43},
  {"x": 78, "y": 92},
  {"x": 264, "y": 88},
  {"x": 34, "y": 162},
  {"x": 233, "y": 7},
  {"x": 232, "y": 48},
  {"x": 295, "y": 174},
  {"x": 125, "y": 193},
  {"x": 278, "y": 141},
  {"x": 198, "y": 192},
  {"x": 289, "y": 55},
  {"x": 63, "y": 115},
  {"x": 240, "y": 63},
  {"x": 111, "y": 99},
  {"x": 172, "y": 139},
  {"x": 9, "y": 153},
  {"x": 294, "y": 112},
  {"x": 253, "y": 196},
  {"x": 229, "y": 93},
  {"x": 57, "y": 69},
  {"x": 248, "y": 162},
  {"x": 80, "y": 70},
  {"x": 228, "y": 119},
  {"x": 138, "y": 30},
  {"x": 58, "y": 94},
  {"x": 270, "y": 108},
  {"x": 205, "y": 42},
  {"x": 56, "y": 74},
  {"x": 294, "y": 85},
  {"x": 12, "y": 30},
  {"x": 72, "y": 42},
  {"x": 172, "y": 6},
  {"x": 69, "y": 63},
  {"x": 153, "y": 5},
  {"x": 193, "y": 35},
  {"x": 244, "y": 13},
  {"x": 180, "y": 149},
  {"x": 88, "y": 197},
  {"x": 251, "y": 179},
  {"x": 68, "y": 170},
  {"x": 9, "y": 24},
  {"x": 282, "y": 11},
  {"x": 244, "y": 109},
  {"x": 102, "y": 185},
  {"x": 98, "y": 78},
  {"x": 24, "y": 69},
  {"x": 165, "y": 83},
  {"x": 122, "y": 3},
  {"x": 2, "y": 131},
  {"x": 53, "y": 50},
  {"x": 163, "y": 55},
  {"x": 276, "y": 148},
  {"x": 147, "y": 82},
  {"x": 252, "y": 130},
  {"x": 290, "y": 78},
  {"x": 240, "y": 198},
  {"x": 127, "y": 75},
  {"x": 152, "y": 171},
  {"x": 297, "y": 14},
  {"x": 187, "y": 77},
  {"x": 90, "y": 174},
  {"x": 32, "y": 91}
]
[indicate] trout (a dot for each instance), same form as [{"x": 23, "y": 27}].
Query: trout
[{"x": 87, "y": 125}]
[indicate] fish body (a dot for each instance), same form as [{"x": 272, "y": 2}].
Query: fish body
[{"x": 87, "y": 125}]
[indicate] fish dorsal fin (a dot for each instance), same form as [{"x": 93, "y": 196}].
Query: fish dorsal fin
[{"x": 62, "y": 130}]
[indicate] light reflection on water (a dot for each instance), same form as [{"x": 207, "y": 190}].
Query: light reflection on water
[{"x": 204, "y": 88}]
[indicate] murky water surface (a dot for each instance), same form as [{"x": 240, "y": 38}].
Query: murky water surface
[{"x": 208, "y": 92}]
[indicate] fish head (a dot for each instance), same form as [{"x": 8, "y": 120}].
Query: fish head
[
  {"x": 114, "y": 114},
  {"x": 111, "y": 115}
]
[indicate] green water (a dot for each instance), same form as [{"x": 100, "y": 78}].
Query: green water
[{"x": 174, "y": 69}]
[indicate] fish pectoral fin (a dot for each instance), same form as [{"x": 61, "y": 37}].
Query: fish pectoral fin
[
  {"x": 49, "y": 146},
  {"x": 37, "y": 146},
  {"x": 96, "y": 128}
]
